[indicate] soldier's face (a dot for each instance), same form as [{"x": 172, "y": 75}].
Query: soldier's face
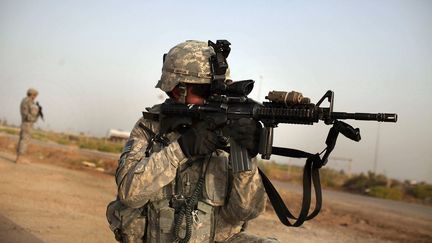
[
  {"x": 196, "y": 93},
  {"x": 193, "y": 96},
  {"x": 33, "y": 96}
]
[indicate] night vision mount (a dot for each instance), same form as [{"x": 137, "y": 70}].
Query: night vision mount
[{"x": 219, "y": 64}]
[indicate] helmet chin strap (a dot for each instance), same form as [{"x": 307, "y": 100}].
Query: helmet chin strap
[{"x": 183, "y": 93}]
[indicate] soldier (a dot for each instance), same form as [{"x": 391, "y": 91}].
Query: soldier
[
  {"x": 29, "y": 114},
  {"x": 174, "y": 182}
]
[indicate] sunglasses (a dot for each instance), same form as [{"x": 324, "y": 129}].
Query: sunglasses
[{"x": 202, "y": 90}]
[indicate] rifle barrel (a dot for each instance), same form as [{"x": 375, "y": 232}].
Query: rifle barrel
[{"x": 381, "y": 117}]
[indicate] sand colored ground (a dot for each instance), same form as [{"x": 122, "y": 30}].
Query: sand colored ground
[{"x": 47, "y": 202}]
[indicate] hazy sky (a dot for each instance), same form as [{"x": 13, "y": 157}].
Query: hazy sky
[{"x": 95, "y": 64}]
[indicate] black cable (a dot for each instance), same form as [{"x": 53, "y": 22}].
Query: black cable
[{"x": 187, "y": 208}]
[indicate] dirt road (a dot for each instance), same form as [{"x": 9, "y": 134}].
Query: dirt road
[
  {"x": 52, "y": 204},
  {"x": 48, "y": 203}
]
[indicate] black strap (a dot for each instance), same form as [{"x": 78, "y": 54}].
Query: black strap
[
  {"x": 153, "y": 138},
  {"x": 310, "y": 175}
]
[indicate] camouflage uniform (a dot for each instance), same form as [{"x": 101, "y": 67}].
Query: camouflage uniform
[
  {"x": 29, "y": 115},
  {"x": 228, "y": 200},
  {"x": 151, "y": 184}
]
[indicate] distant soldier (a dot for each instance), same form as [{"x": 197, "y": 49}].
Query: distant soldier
[{"x": 30, "y": 112}]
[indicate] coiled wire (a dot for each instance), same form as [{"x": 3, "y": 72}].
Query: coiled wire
[{"x": 186, "y": 214}]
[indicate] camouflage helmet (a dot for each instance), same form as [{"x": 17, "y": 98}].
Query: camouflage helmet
[
  {"x": 32, "y": 91},
  {"x": 187, "y": 62}
]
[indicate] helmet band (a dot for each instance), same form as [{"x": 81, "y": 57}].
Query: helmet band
[{"x": 187, "y": 73}]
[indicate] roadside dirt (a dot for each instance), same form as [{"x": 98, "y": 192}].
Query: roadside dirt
[{"x": 46, "y": 202}]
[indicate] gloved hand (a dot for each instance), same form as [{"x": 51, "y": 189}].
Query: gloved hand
[
  {"x": 246, "y": 132},
  {"x": 199, "y": 140},
  {"x": 174, "y": 123}
]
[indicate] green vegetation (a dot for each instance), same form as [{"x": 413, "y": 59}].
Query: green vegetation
[
  {"x": 292, "y": 173},
  {"x": 371, "y": 184},
  {"x": 80, "y": 140},
  {"x": 101, "y": 145},
  {"x": 282, "y": 172},
  {"x": 422, "y": 191},
  {"x": 394, "y": 193},
  {"x": 332, "y": 178},
  {"x": 9, "y": 130},
  {"x": 361, "y": 183}
]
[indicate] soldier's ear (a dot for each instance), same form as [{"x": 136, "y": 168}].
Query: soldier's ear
[{"x": 175, "y": 93}]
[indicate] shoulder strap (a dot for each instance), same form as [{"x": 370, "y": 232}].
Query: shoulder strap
[
  {"x": 153, "y": 138},
  {"x": 310, "y": 175}
]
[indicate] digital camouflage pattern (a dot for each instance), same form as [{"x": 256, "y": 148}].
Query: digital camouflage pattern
[
  {"x": 227, "y": 201},
  {"x": 29, "y": 115},
  {"x": 243, "y": 237},
  {"x": 187, "y": 62},
  {"x": 24, "y": 138},
  {"x": 29, "y": 110},
  {"x": 130, "y": 220},
  {"x": 32, "y": 91},
  {"x": 151, "y": 189}
]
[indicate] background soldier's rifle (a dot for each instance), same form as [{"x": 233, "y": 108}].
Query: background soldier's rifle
[{"x": 40, "y": 111}]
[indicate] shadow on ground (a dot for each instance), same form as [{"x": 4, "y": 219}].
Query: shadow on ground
[
  {"x": 7, "y": 158},
  {"x": 13, "y": 233}
]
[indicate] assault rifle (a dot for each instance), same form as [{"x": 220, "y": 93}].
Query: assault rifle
[
  {"x": 40, "y": 111},
  {"x": 229, "y": 102}
]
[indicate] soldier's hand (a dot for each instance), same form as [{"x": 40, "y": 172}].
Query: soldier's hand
[
  {"x": 246, "y": 132},
  {"x": 199, "y": 140},
  {"x": 174, "y": 123}
]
